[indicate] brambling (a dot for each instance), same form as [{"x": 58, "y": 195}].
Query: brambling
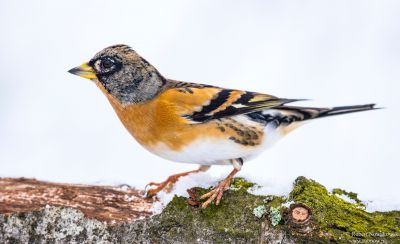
[{"x": 194, "y": 123}]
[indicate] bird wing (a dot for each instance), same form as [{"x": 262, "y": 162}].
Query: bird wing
[{"x": 200, "y": 103}]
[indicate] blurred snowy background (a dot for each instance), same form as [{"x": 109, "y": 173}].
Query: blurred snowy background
[{"x": 59, "y": 127}]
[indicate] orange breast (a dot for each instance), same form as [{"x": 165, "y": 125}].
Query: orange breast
[{"x": 160, "y": 121}]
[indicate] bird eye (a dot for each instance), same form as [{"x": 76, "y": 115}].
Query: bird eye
[{"x": 106, "y": 64}]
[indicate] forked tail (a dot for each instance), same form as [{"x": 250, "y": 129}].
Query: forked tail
[{"x": 305, "y": 113}]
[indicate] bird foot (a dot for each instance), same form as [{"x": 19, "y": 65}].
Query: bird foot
[
  {"x": 166, "y": 185},
  {"x": 215, "y": 194}
]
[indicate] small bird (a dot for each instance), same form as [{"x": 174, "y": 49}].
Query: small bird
[{"x": 194, "y": 123}]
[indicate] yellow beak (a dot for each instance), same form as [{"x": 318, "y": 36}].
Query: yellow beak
[{"x": 84, "y": 71}]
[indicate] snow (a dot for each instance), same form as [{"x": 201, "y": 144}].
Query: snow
[
  {"x": 58, "y": 127},
  {"x": 346, "y": 198},
  {"x": 381, "y": 204},
  {"x": 210, "y": 179},
  {"x": 272, "y": 186},
  {"x": 287, "y": 204}
]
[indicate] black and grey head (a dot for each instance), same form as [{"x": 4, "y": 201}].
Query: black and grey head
[{"x": 124, "y": 74}]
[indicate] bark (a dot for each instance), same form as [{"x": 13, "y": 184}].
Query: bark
[
  {"x": 104, "y": 203},
  {"x": 41, "y": 212}
]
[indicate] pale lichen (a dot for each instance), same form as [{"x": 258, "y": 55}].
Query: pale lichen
[
  {"x": 259, "y": 211},
  {"x": 56, "y": 225},
  {"x": 275, "y": 216}
]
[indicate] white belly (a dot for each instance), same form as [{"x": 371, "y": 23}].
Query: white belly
[{"x": 207, "y": 151}]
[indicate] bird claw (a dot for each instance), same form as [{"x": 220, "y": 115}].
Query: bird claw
[
  {"x": 168, "y": 184},
  {"x": 215, "y": 195},
  {"x": 165, "y": 185},
  {"x": 150, "y": 192},
  {"x": 153, "y": 184}
]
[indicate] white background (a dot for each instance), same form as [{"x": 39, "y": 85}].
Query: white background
[{"x": 59, "y": 127}]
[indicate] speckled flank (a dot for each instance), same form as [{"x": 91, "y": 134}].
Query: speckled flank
[{"x": 243, "y": 134}]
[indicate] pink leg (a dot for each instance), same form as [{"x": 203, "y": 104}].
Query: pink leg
[{"x": 171, "y": 180}]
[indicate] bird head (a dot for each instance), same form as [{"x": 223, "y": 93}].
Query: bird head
[{"x": 123, "y": 74}]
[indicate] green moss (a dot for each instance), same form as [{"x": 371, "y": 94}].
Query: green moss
[
  {"x": 276, "y": 201},
  {"x": 342, "y": 219},
  {"x": 235, "y": 217},
  {"x": 241, "y": 183},
  {"x": 349, "y": 194}
]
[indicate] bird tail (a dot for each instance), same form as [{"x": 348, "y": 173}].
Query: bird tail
[{"x": 306, "y": 113}]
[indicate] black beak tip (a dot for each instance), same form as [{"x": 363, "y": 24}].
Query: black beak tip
[{"x": 73, "y": 71}]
